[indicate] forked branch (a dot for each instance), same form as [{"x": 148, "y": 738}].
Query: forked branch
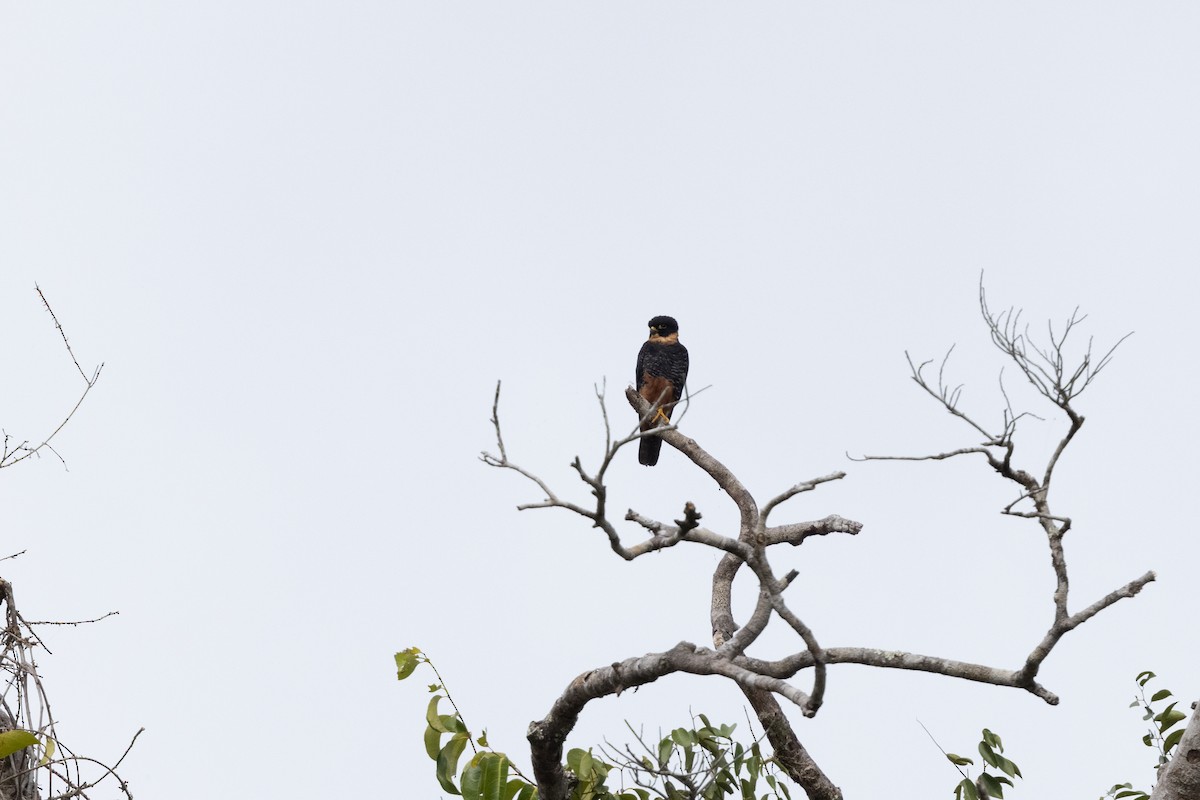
[{"x": 12, "y": 452}]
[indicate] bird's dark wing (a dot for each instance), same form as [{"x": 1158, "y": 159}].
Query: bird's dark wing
[{"x": 661, "y": 373}]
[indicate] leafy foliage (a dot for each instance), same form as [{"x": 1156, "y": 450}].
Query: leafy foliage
[
  {"x": 991, "y": 750},
  {"x": 698, "y": 763},
  {"x": 1160, "y": 721}
]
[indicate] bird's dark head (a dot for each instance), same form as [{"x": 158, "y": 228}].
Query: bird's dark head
[{"x": 663, "y": 326}]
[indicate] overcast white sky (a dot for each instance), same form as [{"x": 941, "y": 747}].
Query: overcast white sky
[{"x": 307, "y": 238}]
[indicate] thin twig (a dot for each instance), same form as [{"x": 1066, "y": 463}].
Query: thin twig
[
  {"x": 72, "y": 622},
  {"x": 61, "y": 332},
  {"x": 939, "y": 747}
]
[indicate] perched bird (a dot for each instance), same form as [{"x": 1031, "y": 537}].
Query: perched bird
[{"x": 662, "y": 368}]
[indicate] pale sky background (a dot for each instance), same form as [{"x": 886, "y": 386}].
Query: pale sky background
[{"x": 307, "y": 239}]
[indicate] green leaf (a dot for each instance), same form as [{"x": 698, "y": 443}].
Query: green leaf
[
  {"x": 585, "y": 766},
  {"x": 957, "y": 760},
  {"x": 50, "y": 746},
  {"x": 433, "y": 742},
  {"x": 993, "y": 786},
  {"x": 1161, "y": 694},
  {"x": 989, "y": 755},
  {"x": 12, "y": 741},
  {"x": 573, "y": 756},
  {"x": 1143, "y": 677},
  {"x": 528, "y": 793},
  {"x": 1010, "y": 767},
  {"x": 483, "y": 738},
  {"x": 472, "y": 782},
  {"x": 1169, "y": 718},
  {"x": 1173, "y": 739},
  {"x": 406, "y": 662},
  {"x": 453, "y": 723},
  {"x": 447, "y": 762},
  {"x": 993, "y": 740},
  {"x": 1134, "y": 794},
  {"x": 965, "y": 790},
  {"x": 683, "y": 738},
  {"x": 514, "y": 786},
  {"x": 433, "y": 718},
  {"x": 1146, "y": 740},
  {"x": 495, "y": 775},
  {"x": 664, "y": 751}
]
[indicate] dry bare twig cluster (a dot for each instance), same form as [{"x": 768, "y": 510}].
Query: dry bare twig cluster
[
  {"x": 761, "y": 680},
  {"x": 24, "y": 705},
  {"x": 46, "y": 768}
]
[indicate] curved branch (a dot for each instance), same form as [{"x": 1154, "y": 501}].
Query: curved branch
[
  {"x": 898, "y": 659},
  {"x": 1062, "y": 626},
  {"x": 700, "y": 457},
  {"x": 806, "y": 486},
  {"x": 748, "y": 633},
  {"x": 546, "y": 736}
]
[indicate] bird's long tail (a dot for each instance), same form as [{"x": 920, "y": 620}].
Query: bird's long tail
[{"x": 648, "y": 449}]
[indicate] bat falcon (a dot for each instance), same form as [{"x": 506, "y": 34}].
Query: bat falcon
[{"x": 662, "y": 368}]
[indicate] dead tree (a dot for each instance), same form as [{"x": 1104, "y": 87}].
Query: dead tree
[{"x": 762, "y": 680}]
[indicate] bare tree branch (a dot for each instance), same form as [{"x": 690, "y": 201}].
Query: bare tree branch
[
  {"x": 805, "y": 486},
  {"x": 898, "y": 659},
  {"x": 1048, "y": 371},
  {"x": 14, "y": 454},
  {"x": 797, "y": 532}
]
